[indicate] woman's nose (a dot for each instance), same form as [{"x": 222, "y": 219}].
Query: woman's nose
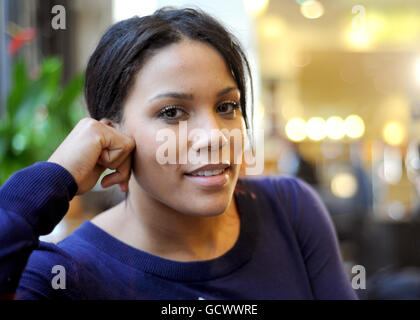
[
  {"x": 213, "y": 140},
  {"x": 209, "y": 136}
]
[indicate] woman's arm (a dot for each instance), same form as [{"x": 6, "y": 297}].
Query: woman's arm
[
  {"x": 319, "y": 246},
  {"x": 35, "y": 199},
  {"x": 32, "y": 203}
]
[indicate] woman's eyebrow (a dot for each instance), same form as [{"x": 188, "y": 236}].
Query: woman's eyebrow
[{"x": 186, "y": 96}]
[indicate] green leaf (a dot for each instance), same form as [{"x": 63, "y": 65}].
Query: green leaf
[
  {"x": 40, "y": 114},
  {"x": 18, "y": 87}
]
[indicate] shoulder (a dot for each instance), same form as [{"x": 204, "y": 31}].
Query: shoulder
[
  {"x": 279, "y": 186},
  {"x": 86, "y": 267},
  {"x": 44, "y": 264},
  {"x": 293, "y": 196}
]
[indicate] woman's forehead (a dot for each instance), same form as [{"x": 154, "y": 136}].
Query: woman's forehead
[{"x": 184, "y": 66}]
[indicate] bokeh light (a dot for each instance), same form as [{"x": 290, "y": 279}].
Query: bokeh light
[
  {"x": 335, "y": 128},
  {"x": 359, "y": 38},
  {"x": 396, "y": 210},
  {"x": 344, "y": 185},
  {"x": 354, "y": 126},
  {"x": 312, "y": 9},
  {"x": 271, "y": 27},
  {"x": 394, "y": 133},
  {"x": 256, "y": 7},
  {"x": 296, "y": 129},
  {"x": 316, "y": 129}
]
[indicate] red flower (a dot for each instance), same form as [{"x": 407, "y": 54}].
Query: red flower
[{"x": 20, "y": 38}]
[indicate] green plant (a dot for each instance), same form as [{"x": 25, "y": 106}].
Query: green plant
[{"x": 39, "y": 115}]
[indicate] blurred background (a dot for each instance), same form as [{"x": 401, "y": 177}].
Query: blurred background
[{"x": 337, "y": 96}]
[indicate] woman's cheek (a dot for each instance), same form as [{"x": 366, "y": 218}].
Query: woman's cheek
[{"x": 145, "y": 152}]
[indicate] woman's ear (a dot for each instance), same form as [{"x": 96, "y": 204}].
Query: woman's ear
[{"x": 111, "y": 123}]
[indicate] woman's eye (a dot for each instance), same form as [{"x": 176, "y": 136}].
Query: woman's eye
[
  {"x": 171, "y": 113},
  {"x": 227, "y": 107}
]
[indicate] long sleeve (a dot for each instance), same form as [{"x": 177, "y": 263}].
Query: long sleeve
[
  {"x": 319, "y": 246},
  {"x": 32, "y": 203}
]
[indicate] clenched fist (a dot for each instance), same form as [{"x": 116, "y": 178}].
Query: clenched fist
[{"x": 91, "y": 148}]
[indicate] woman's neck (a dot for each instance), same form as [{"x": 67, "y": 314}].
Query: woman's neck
[{"x": 149, "y": 225}]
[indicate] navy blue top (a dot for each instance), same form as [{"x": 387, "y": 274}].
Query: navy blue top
[{"x": 287, "y": 248}]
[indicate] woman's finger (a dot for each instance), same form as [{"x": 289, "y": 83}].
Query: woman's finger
[
  {"x": 116, "y": 148},
  {"x": 120, "y": 176}
]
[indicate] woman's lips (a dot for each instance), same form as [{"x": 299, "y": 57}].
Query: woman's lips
[{"x": 218, "y": 180}]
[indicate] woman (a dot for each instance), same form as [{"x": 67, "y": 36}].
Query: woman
[{"x": 184, "y": 231}]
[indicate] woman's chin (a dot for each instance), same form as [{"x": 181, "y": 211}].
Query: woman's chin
[{"x": 206, "y": 210}]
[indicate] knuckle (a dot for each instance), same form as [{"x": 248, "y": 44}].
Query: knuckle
[
  {"x": 89, "y": 124},
  {"x": 90, "y": 128},
  {"x": 92, "y": 124},
  {"x": 94, "y": 129},
  {"x": 86, "y": 121},
  {"x": 98, "y": 138}
]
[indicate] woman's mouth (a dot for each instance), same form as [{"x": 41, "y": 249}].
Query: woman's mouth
[{"x": 210, "y": 178}]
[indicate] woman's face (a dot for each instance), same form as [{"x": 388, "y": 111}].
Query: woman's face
[{"x": 184, "y": 83}]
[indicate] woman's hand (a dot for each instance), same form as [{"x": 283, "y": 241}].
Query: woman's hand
[{"x": 90, "y": 148}]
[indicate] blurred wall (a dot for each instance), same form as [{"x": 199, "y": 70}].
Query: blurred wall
[{"x": 93, "y": 18}]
